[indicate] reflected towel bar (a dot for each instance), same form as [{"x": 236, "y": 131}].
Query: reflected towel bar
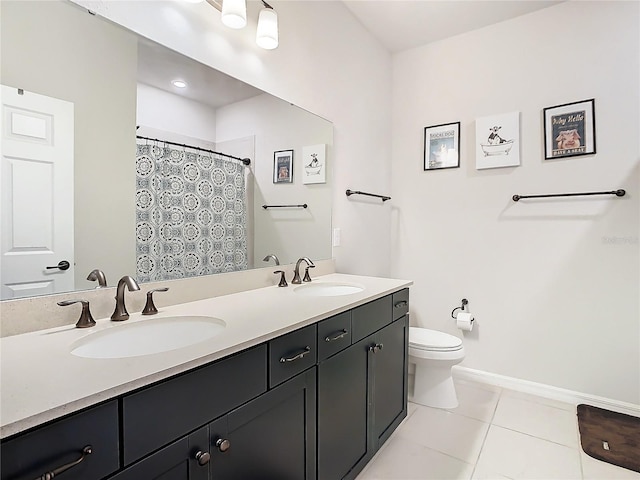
[
  {"x": 617, "y": 193},
  {"x": 355, "y": 192},
  {"x": 304, "y": 205}
]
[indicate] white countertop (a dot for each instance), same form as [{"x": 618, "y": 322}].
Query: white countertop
[{"x": 42, "y": 380}]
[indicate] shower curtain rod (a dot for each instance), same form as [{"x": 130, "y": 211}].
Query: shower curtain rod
[{"x": 246, "y": 161}]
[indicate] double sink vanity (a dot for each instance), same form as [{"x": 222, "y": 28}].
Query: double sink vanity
[{"x": 304, "y": 382}]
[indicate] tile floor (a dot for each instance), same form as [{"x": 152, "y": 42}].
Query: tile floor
[{"x": 493, "y": 434}]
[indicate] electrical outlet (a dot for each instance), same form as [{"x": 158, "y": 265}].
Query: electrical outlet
[{"x": 336, "y": 237}]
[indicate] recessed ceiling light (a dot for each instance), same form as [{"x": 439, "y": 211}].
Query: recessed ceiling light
[
  {"x": 194, "y": 1},
  {"x": 179, "y": 83}
]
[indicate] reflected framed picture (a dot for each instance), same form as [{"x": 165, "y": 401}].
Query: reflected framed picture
[
  {"x": 314, "y": 163},
  {"x": 442, "y": 146},
  {"x": 570, "y": 130},
  {"x": 283, "y": 166}
]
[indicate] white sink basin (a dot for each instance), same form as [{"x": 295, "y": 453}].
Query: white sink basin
[
  {"x": 146, "y": 337},
  {"x": 327, "y": 289}
]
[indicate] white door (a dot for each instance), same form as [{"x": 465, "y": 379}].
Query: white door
[{"x": 36, "y": 194}]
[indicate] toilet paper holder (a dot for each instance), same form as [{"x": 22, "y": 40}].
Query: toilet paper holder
[{"x": 464, "y": 303}]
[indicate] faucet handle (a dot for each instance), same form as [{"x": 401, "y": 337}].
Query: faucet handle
[
  {"x": 150, "y": 308},
  {"x": 283, "y": 281},
  {"x": 86, "y": 319},
  {"x": 307, "y": 278}
]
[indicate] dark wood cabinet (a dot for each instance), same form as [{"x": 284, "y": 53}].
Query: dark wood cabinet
[
  {"x": 388, "y": 376},
  {"x": 184, "y": 459},
  {"x": 156, "y": 415},
  {"x": 61, "y": 443},
  {"x": 315, "y": 403},
  {"x": 362, "y": 390},
  {"x": 342, "y": 412},
  {"x": 270, "y": 438}
]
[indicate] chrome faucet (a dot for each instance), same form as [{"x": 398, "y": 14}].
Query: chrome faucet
[
  {"x": 296, "y": 272},
  {"x": 120, "y": 313},
  {"x": 271, "y": 255},
  {"x": 99, "y": 276}
]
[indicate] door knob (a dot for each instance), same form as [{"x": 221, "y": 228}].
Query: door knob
[{"x": 62, "y": 265}]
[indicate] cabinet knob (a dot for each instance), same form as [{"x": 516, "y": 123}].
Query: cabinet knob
[
  {"x": 203, "y": 458},
  {"x": 223, "y": 444},
  {"x": 376, "y": 348}
]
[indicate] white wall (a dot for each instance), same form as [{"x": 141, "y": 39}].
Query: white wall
[
  {"x": 553, "y": 283},
  {"x": 326, "y": 63},
  {"x": 175, "y": 115},
  {"x": 277, "y": 125}
]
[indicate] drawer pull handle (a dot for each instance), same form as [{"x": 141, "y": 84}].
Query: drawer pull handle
[
  {"x": 340, "y": 335},
  {"x": 401, "y": 304},
  {"x": 203, "y": 458},
  {"x": 376, "y": 348},
  {"x": 306, "y": 350},
  {"x": 223, "y": 444},
  {"x": 88, "y": 450}
]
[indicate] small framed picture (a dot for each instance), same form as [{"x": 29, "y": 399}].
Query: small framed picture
[
  {"x": 570, "y": 130},
  {"x": 498, "y": 141},
  {"x": 442, "y": 146},
  {"x": 283, "y": 166},
  {"x": 314, "y": 164}
]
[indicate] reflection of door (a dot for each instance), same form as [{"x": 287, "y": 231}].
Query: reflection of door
[{"x": 36, "y": 194}]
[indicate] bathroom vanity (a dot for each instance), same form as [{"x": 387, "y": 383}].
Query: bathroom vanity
[{"x": 297, "y": 387}]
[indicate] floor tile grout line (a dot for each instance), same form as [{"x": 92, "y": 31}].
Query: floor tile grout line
[
  {"x": 484, "y": 440},
  {"x": 536, "y": 437}
]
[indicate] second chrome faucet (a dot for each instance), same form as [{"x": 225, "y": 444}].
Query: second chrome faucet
[{"x": 120, "y": 313}]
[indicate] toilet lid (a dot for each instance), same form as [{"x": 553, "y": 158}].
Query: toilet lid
[{"x": 425, "y": 339}]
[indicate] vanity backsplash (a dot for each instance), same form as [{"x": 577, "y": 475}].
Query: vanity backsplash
[{"x": 38, "y": 313}]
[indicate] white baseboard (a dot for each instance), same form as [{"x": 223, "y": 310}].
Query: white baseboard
[{"x": 542, "y": 390}]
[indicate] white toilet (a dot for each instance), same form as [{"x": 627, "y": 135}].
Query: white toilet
[{"x": 434, "y": 353}]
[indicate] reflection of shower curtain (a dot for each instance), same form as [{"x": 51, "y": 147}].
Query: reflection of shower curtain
[{"x": 191, "y": 213}]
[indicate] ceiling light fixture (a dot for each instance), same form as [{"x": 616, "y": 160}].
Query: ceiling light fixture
[
  {"x": 234, "y": 13},
  {"x": 179, "y": 83},
  {"x": 267, "y": 32}
]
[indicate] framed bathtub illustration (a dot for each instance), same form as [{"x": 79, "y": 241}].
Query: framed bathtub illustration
[
  {"x": 570, "y": 130},
  {"x": 314, "y": 164},
  {"x": 442, "y": 146},
  {"x": 498, "y": 141},
  {"x": 283, "y": 166}
]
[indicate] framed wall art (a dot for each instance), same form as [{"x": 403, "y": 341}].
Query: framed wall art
[
  {"x": 498, "y": 141},
  {"x": 442, "y": 146},
  {"x": 283, "y": 166},
  {"x": 314, "y": 164},
  {"x": 570, "y": 130}
]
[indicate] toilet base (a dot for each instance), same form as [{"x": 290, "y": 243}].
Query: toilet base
[{"x": 434, "y": 387}]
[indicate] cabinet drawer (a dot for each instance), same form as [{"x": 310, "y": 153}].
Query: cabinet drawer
[
  {"x": 334, "y": 334},
  {"x": 370, "y": 317},
  {"x": 157, "y": 415},
  {"x": 35, "y": 453},
  {"x": 400, "y": 303},
  {"x": 291, "y": 354}
]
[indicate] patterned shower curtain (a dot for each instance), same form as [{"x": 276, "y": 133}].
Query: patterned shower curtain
[{"x": 191, "y": 213}]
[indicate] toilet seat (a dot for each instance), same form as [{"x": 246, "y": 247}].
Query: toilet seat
[{"x": 432, "y": 340}]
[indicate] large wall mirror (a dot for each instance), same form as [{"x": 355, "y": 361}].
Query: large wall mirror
[{"x": 108, "y": 165}]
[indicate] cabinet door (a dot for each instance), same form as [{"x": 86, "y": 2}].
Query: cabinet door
[
  {"x": 184, "y": 459},
  {"x": 389, "y": 382},
  {"x": 342, "y": 412},
  {"x": 270, "y": 438}
]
